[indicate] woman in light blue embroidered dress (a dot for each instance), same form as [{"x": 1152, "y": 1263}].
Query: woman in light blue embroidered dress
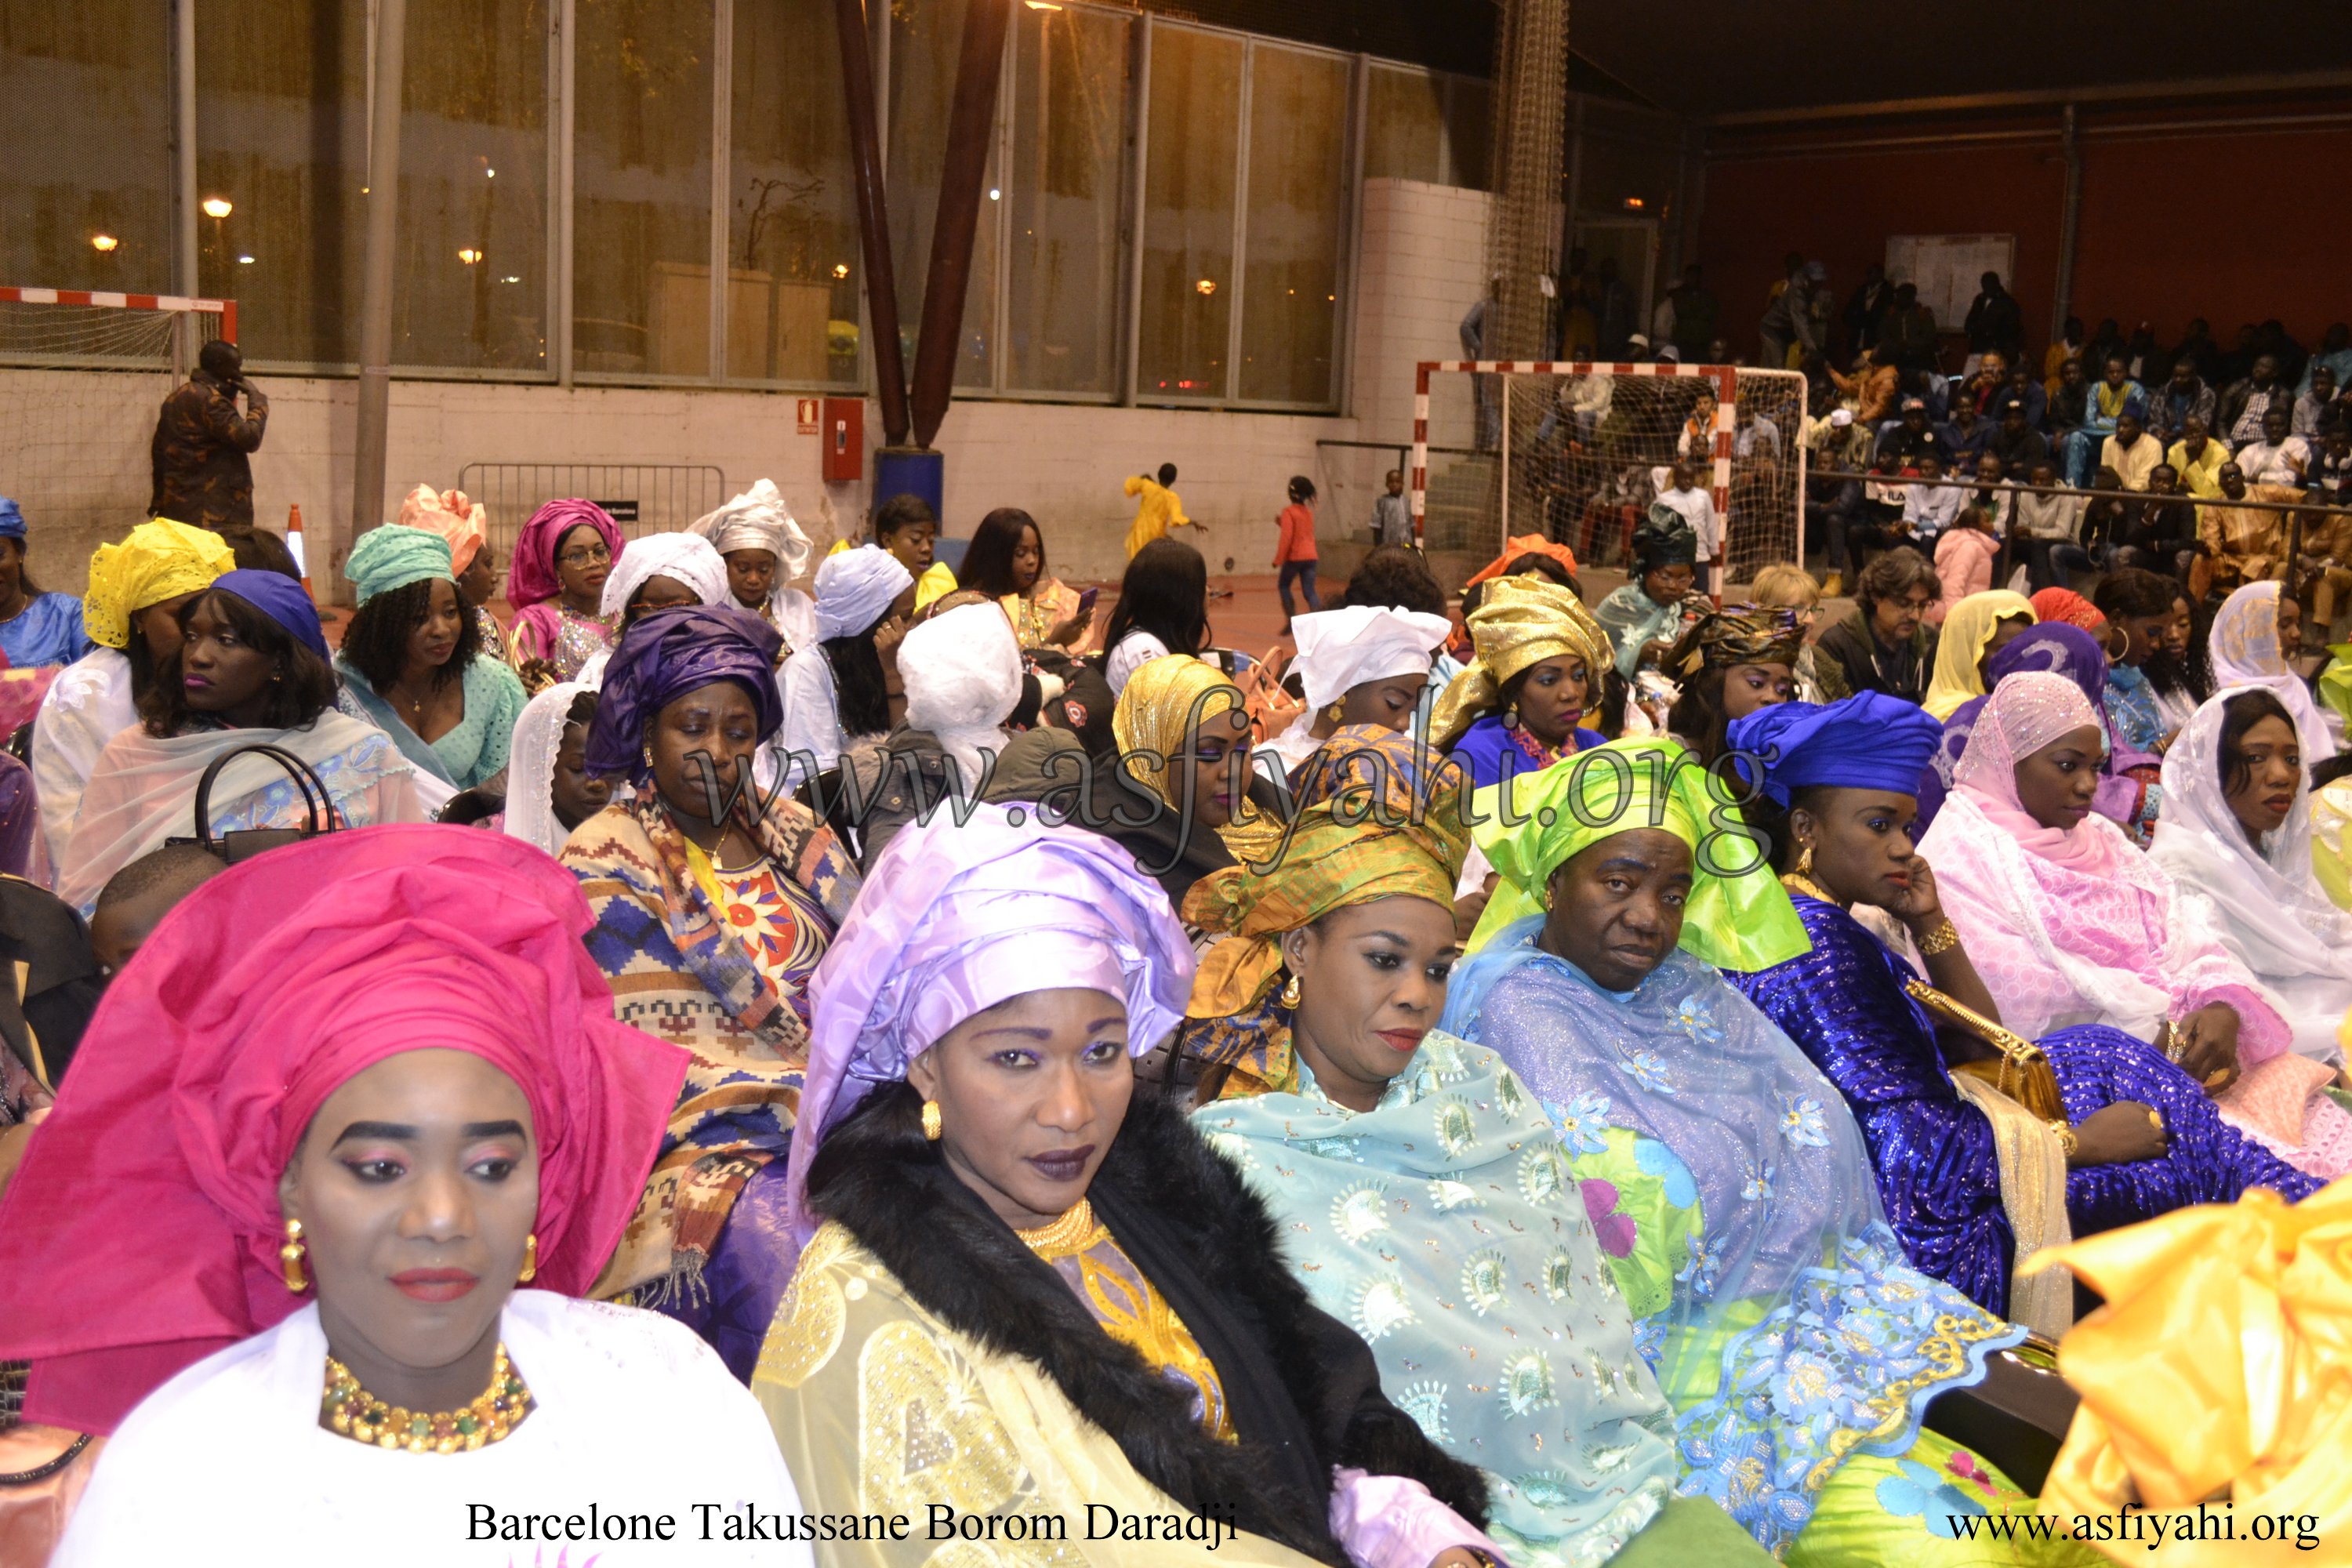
[
  {"x": 1728, "y": 1182},
  {"x": 1423, "y": 1196}
]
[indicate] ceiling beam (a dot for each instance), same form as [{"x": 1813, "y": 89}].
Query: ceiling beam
[{"x": 2270, "y": 83}]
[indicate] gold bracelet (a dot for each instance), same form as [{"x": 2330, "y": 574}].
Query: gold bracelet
[
  {"x": 2068, "y": 1141},
  {"x": 1943, "y": 939}
]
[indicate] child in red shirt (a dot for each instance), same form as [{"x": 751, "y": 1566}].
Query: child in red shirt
[{"x": 1294, "y": 548}]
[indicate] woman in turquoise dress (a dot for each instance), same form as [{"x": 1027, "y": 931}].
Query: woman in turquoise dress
[
  {"x": 1729, "y": 1184},
  {"x": 1423, "y": 1196},
  {"x": 412, "y": 665}
]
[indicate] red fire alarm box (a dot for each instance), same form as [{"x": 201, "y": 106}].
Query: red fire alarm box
[{"x": 843, "y": 435}]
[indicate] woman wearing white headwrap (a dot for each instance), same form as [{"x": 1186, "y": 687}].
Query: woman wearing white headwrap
[
  {"x": 764, "y": 549},
  {"x": 835, "y": 689},
  {"x": 2236, "y": 837},
  {"x": 2254, "y": 633},
  {"x": 659, "y": 571},
  {"x": 1367, "y": 663},
  {"x": 549, "y": 791},
  {"x": 962, "y": 671}
]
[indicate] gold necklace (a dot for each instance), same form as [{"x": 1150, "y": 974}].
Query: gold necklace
[
  {"x": 360, "y": 1416},
  {"x": 1062, "y": 1236},
  {"x": 1798, "y": 881}
]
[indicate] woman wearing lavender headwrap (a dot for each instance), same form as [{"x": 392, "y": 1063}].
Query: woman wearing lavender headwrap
[{"x": 1026, "y": 1292}]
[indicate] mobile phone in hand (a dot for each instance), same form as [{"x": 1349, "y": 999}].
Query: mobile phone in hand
[{"x": 1086, "y": 598}]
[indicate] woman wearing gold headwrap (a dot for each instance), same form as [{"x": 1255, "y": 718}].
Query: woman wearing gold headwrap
[
  {"x": 1181, "y": 779},
  {"x": 1731, "y": 664},
  {"x": 1487, "y": 1305},
  {"x": 1539, "y": 662},
  {"x": 1728, "y": 1182},
  {"x": 132, "y": 613},
  {"x": 1978, "y": 627}
]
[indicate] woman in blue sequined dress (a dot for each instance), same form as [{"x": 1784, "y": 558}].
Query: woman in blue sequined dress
[{"x": 1973, "y": 1179}]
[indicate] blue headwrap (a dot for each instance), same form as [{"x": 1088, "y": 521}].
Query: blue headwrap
[
  {"x": 283, "y": 600},
  {"x": 12, "y": 520},
  {"x": 667, "y": 654},
  {"x": 1869, "y": 742}
]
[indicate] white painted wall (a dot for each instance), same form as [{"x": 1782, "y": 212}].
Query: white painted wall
[{"x": 1420, "y": 267}]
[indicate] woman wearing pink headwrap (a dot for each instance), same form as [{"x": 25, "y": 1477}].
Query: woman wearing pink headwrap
[
  {"x": 1006, "y": 1246},
  {"x": 466, "y": 524},
  {"x": 285, "y": 1200},
  {"x": 2069, "y": 923},
  {"x": 556, "y": 584}
]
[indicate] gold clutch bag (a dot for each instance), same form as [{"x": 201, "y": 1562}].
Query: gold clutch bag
[{"x": 2021, "y": 1071}]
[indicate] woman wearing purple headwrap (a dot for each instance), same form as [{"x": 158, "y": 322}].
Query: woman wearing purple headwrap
[
  {"x": 2129, "y": 794},
  {"x": 1006, "y": 1248},
  {"x": 556, "y": 584},
  {"x": 252, "y": 670},
  {"x": 713, "y": 904}
]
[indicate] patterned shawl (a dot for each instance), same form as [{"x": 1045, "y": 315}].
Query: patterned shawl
[{"x": 680, "y": 974}]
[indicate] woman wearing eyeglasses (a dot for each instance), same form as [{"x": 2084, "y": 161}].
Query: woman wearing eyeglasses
[{"x": 557, "y": 584}]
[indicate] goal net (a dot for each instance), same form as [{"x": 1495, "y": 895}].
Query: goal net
[
  {"x": 1577, "y": 452},
  {"x": 82, "y": 376}
]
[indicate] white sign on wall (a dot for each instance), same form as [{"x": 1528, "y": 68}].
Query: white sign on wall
[{"x": 1947, "y": 267}]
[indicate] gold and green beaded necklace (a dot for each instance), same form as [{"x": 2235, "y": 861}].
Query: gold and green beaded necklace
[{"x": 356, "y": 1413}]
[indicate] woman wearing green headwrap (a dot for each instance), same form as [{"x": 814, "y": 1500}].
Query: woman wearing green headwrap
[
  {"x": 412, "y": 664},
  {"x": 1420, "y": 1190},
  {"x": 1728, "y": 1182}
]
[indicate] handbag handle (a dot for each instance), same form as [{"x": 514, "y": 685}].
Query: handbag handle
[{"x": 317, "y": 806}]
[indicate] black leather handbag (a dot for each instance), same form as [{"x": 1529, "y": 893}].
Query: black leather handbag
[{"x": 245, "y": 843}]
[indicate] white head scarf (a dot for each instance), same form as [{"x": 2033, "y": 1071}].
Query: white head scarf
[
  {"x": 759, "y": 518},
  {"x": 854, "y": 587},
  {"x": 530, "y": 767},
  {"x": 2273, "y": 916},
  {"x": 683, "y": 557},
  {"x": 1342, "y": 649},
  {"x": 2243, "y": 649},
  {"x": 962, "y": 671}
]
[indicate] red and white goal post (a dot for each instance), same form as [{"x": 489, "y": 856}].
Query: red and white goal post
[
  {"x": 83, "y": 374},
  {"x": 1578, "y": 450}
]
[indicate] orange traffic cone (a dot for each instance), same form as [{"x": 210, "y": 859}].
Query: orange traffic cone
[{"x": 294, "y": 547}]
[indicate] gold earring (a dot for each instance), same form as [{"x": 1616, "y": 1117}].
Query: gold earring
[
  {"x": 1804, "y": 861},
  {"x": 529, "y": 1259},
  {"x": 1291, "y": 992},
  {"x": 1511, "y": 717},
  {"x": 931, "y": 1120},
  {"x": 649, "y": 756},
  {"x": 290, "y": 1258},
  {"x": 1336, "y": 711}
]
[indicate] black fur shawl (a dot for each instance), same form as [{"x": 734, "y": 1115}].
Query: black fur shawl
[{"x": 1303, "y": 1389}]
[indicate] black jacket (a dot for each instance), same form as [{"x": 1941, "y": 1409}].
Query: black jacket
[{"x": 1302, "y": 1389}]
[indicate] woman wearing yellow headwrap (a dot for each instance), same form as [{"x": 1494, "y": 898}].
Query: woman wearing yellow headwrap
[
  {"x": 2213, "y": 1382},
  {"x": 132, "y": 611},
  {"x": 1539, "y": 660},
  {"x": 1978, "y": 627},
  {"x": 1728, "y": 1182},
  {"x": 1380, "y": 818},
  {"x": 1479, "y": 1301}
]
